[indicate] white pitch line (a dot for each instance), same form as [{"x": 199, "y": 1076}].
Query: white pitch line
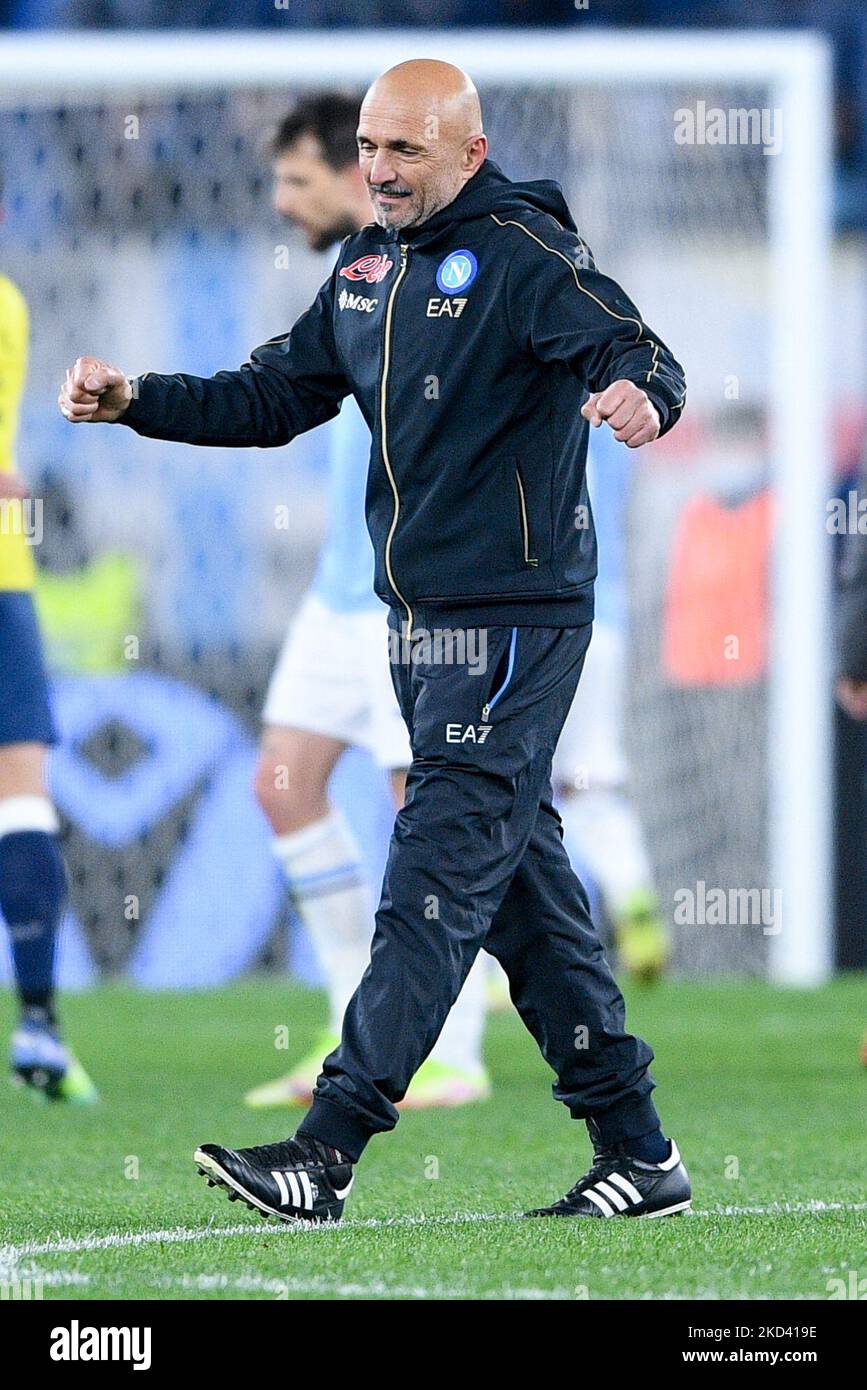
[
  {"x": 322, "y": 1285},
  {"x": 72, "y": 1245},
  {"x": 284, "y": 1289},
  {"x": 12, "y": 1255},
  {"x": 783, "y": 1209},
  {"x": 64, "y": 1245}
]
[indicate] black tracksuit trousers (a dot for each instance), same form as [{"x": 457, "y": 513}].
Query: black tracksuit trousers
[{"x": 477, "y": 860}]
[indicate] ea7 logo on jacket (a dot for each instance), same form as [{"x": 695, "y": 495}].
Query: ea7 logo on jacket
[
  {"x": 345, "y": 300},
  {"x": 451, "y": 308},
  {"x": 373, "y": 269}
]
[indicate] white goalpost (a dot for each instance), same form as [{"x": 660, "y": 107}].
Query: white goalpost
[{"x": 753, "y": 229}]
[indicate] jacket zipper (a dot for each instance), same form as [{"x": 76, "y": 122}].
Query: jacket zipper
[
  {"x": 525, "y": 528},
  {"x": 493, "y": 698},
  {"x": 383, "y": 425}
]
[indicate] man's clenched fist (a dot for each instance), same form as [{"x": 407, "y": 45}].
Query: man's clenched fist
[
  {"x": 93, "y": 392},
  {"x": 627, "y": 409}
]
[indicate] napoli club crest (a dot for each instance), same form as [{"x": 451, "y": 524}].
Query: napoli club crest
[{"x": 457, "y": 271}]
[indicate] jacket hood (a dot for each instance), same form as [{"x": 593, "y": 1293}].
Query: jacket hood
[{"x": 489, "y": 191}]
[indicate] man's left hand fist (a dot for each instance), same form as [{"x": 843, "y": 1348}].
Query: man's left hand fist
[{"x": 627, "y": 409}]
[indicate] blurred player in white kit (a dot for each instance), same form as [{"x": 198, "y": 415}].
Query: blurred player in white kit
[
  {"x": 331, "y": 688},
  {"x": 590, "y": 766}
]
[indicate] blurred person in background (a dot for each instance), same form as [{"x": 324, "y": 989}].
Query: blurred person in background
[
  {"x": 591, "y": 773},
  {"x": 331, "y": 689},
  {"x": 32, "y": 871},
  {"x": 88, "y": 600}
]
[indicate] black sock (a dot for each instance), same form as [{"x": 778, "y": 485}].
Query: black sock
[
  {"x": 326, "y": 1152},
  {"x": 32, "y": 889},
  {"x": 650, "y": 1148}
]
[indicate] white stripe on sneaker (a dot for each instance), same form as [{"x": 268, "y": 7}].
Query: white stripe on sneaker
[
  {"x": 613, "y": 1195},
  {"x": 304, "y": 1179},
  {"x": 281, "y": 1183},
  {"x": 626, "y": 1186},
  {"x": 598, "y": 1201},
  {"x": 294, "y": 1189},
  {"x": 672, "y": 1160}
]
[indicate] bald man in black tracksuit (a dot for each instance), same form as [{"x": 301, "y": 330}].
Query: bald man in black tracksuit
[{"x": 472, "y": 342}]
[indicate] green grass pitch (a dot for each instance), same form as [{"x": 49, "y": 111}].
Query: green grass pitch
[{"x": 762, "y": 1089}]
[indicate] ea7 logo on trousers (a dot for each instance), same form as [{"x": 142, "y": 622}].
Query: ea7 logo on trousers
[{"x": 467, "y": 733}]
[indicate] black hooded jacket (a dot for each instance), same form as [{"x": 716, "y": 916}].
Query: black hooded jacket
[{"x": 470, "y": 343}]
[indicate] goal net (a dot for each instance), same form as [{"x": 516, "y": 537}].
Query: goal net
[{"x": 138, "y": 225}]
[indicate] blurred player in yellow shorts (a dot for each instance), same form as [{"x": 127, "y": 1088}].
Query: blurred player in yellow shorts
[{"x": 32, "y": 873}]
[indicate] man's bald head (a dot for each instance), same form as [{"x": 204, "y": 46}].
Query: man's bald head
[
  {"x": 425, "y": 89},
  {"x": 420, "y": 139}
]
